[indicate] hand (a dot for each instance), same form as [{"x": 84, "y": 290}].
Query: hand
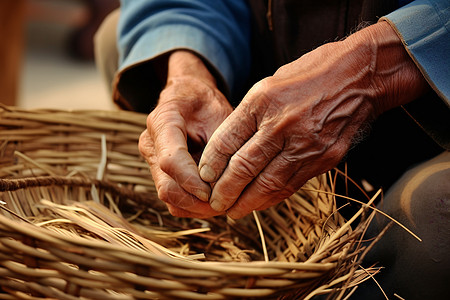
[
  {"x": 189, "y": 109},
  {"x": 301, "y": 121}
]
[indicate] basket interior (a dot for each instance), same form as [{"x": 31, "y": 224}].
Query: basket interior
[{"x": 75, "y": 182}]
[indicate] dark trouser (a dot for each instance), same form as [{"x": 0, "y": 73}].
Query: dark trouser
[{"x": 420, "y": 200}]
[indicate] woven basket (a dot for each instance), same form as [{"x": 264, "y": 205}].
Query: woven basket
[{"x": 80, "y": 219}]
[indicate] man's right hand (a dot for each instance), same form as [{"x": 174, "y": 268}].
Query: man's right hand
[{"x": 189, "y": 110}]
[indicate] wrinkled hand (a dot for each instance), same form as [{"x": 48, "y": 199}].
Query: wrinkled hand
[
  {"x": 190, "y": 108},
  {"x": 301, "y": 121}
]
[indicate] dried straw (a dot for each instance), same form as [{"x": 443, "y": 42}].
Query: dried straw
[{"x": 80, "y": 218}]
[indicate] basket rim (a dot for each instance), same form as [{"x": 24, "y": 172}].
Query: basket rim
[{"x": 136, "y": 255}]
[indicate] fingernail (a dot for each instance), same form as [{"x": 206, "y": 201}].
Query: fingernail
[
  {"x": 216, "y": 205},
  {"x": 201, "y": 195},
  {"x": 207, "y": 173}
]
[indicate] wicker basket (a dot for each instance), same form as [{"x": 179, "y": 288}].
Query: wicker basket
[{"x": 80, "y": 219}]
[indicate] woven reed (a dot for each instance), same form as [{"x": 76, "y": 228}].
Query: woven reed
[{"x": 81, "y": 220}]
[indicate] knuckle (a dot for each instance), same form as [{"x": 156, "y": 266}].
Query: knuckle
[
  {"x": 163, "y": 116},
  {"x": 177, "y": 212},
  {"x": 143, "y": 144},
  {"x": 163, "y": 193},
  {"x": 264, "y": 85},
  {"x": 217, "y": 153},
  {"x": 169, "y": 192},
  {"x": 152, "y": 118},
  {"x": 219, "y": 146},
  {"x": 167, "y": 161},
  {"x": 269, "y": 89},
  {"x": 269, "y": 185},
  {"x": 226, "y": 142},
  {"x": 236, "y": 215},
  {"x": 239, "y": 210},
  {"x": 227, "y": 194},
  {"x": 243, "y": 167},
  {"x": 335, "y": 154},
  {"x": 147, "y": 151},
  {"x": 289, "y": 159},
  {"x": 274, "y": 187},
  {"x": 176, "y": 197}
]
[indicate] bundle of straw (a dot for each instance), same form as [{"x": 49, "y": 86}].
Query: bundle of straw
[{"x": 80, "y": 218}]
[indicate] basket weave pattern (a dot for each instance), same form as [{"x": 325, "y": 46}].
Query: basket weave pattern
[{"x": 80, "y": 219}]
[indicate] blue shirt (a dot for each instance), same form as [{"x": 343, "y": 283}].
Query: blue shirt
[{"x": 219, "y": 32}]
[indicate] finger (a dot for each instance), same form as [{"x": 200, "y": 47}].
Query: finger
[
  {"x": 182, "y": 213},
  {"x": 180, "y": 203},
  {"x": 243, "y": 167},
  {"x": 279, "y": 180},
  {"x": 170, "y": 192},
  {"x": 225, "y": 141},
  {"x": 271, "y": 203},
  {"x": 173, "y": 156},
  {"x": 285, "y": 175}
]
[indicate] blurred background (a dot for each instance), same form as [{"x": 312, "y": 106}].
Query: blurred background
[{"x": 46, "y": 54}]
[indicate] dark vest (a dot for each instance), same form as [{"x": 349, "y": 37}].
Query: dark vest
[{"x": 284, "y": 30}]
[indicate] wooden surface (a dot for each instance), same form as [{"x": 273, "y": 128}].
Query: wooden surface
[{"x": 12, "y": 16}]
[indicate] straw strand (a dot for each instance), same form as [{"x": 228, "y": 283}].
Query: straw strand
[{"x": 46, "y": 181}]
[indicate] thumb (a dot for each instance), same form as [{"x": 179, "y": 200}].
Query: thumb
[{"x": 229, "y": 137}]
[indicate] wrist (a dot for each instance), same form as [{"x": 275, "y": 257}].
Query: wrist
[
  {"x": 184, "y": 63},
  {"x": 394, "y": 77}
]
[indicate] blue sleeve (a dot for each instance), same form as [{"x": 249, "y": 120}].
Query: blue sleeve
[
  {"x": 217, "y": 30},
  {"x": 424, "y": 28}
]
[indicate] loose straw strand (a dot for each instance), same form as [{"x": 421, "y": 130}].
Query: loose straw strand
[
  {"x": 378, "y": 211},
  {"x": 261, "y": 233}
]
